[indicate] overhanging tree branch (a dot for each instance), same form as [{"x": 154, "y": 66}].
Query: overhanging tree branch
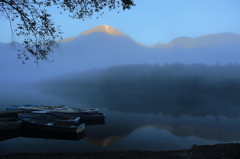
[{"x": 35, "y": 26}]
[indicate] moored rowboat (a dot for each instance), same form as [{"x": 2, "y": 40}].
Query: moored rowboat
[
  {"x": 52, "y": 117},
  {"x": 35, "y": 107},
  {"x": 92, "y": 116},
  {"x": 83, "y": 116},
  {"x": 52, "y": 126},
  {"x": 48, "y": 108},
  {"x": 44, "y": 107},
  {"x": 15, "y": 107},
  {"x": 73, "y": 111}
]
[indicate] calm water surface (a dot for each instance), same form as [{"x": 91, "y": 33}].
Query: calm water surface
[{"x": 135, "y": 120}]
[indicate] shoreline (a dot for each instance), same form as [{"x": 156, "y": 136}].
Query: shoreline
[{"x": 222, "y": 151}]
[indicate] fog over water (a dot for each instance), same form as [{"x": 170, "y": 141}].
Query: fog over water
[
  {"x": 176, "y": 89},
  {"x": 170, "y": 106},
  {"x": 154, "y": 98}
]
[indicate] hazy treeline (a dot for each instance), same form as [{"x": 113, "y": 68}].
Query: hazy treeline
[
  {"x": 176, "y": 89},
  {"x": 192, "y": 77}
]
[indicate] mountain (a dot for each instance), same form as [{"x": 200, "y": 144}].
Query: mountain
[
  {"x": 212, "y": 40},
  {"x": 101, "y": 28},
  {"x": 104, "y": 29},
  {"x": 104, "y": 46}
]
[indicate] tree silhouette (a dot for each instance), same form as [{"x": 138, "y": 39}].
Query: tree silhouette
[{"x": 30, "y": 20}]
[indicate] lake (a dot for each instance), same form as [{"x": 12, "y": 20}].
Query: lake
[
  {"x": 147, "y": 107},
  {"x": 135, "y": 120}
]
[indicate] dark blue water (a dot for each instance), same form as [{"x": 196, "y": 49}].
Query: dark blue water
[
  {"x": 130, "y": 124},
  {"x": 128, "y": 131}
]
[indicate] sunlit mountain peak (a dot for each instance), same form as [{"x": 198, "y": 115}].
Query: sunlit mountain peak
[
  {"x": 104, "y": 29},
  {"x": 101, "y": 28}
]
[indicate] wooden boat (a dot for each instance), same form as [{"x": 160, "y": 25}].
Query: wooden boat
[
  {"x": 83, "y": 116},
  {"x": 73, "y": 111},
  {"x": 10, "y": 123},
  {"x": 12, "y": 113},
  {"x": 50, "y": 117},
  {"x": 92, "y": 116},
  {"x": 47, "y": 108},
  {"x": 33, "y": 133},
  {"x": 15, "y": 107},
  {"x": 94, "y": 122},
  {"x": 44, "y": 107},
  {"x": 52, "y": 126}
]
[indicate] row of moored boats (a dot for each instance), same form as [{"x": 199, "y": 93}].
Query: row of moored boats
[{"x": 54, "y": 118}]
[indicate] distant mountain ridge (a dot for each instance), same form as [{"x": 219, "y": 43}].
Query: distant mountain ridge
[
  {"x": 101, "y": 50},
  {"x": 202, "y": 41},
  {"x": 184, "y": 42}
]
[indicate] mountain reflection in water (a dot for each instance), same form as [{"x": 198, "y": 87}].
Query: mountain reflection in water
[
  {"x": 126, "y": 131},
  {"x": 129, "y": 131}
]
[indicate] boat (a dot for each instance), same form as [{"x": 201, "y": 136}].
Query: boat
[
  {"x": 15, "y": 107},
  {"x": 48, "y": 108},
  {"x": 92, "y": 116},
  {"x": 10, "y": 123},
  {"x": 94, "y": 122},
  {"x": 73, "y": 111},
  {"x": 33, "y": 133},
  {"x": 44, "y": 107},
  {"x": 83, "y": 116},
  {"x": 52, "y": 117},
  {"x": 52, "y": 126}
]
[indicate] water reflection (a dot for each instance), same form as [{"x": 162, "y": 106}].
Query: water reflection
[
  {"x": 130, "y": 131},
  {"x": 120, "y": 125},
  {"x": 31, "y": 133}
]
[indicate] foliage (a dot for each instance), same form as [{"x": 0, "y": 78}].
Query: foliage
[
  {"x": 175, "y": 89},
  {"x": 34, "y": 25}
]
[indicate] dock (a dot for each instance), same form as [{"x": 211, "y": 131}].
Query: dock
[{"x": 12, "y": 113}]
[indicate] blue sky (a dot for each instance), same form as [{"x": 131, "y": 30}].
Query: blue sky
[{"x": 155, "y": 21}]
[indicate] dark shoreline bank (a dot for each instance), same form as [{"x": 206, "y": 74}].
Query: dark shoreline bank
[{"x": 218, "y": 151}]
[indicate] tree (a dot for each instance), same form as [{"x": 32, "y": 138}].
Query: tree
[{"x": 30, "y": 20}]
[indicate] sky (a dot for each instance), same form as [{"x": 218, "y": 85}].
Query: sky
[{"x": 155, "y": 21}]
